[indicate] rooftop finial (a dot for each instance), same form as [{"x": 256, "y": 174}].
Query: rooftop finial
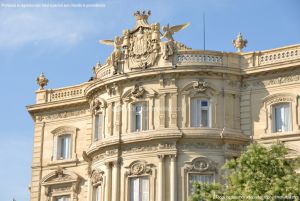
[
  {"x": 42, "y": 81},
  {"x": 239, "y": 43}
]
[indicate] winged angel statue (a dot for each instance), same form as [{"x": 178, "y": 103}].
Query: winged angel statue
[
  {"x": 169, "y": 47},
  {"x": 117, "y": 52}
]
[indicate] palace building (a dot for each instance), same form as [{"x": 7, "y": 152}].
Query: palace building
[{"x": 158, "y": 116}]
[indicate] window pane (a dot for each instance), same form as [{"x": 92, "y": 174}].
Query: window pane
[
  {"x": 282, "y": 118},
  {"x": 96, "y": 127},
  {"x": 62, "y": 198},
  {"x": 134, "y": 189},
  {"x": 145, "y": 188},
  {"x": 204, "y": 103},
  {"x": 138, "y": 122},
  {"x": 64, "y": 146},
  {"x": 204, "y": 118},
  {"x": 97, "y": 193},
  {"x": 194, "y": 113}
]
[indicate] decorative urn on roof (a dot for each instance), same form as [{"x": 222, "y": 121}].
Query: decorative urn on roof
[
  {"x": 42, "y": 81},
  {"x": 239, "y": 43}
]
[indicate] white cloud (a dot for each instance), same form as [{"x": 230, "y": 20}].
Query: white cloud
[{"x": 20, "y": 27}]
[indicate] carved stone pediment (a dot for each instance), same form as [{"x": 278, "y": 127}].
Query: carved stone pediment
[
  {"x": 60, "y": 176},
  {"x": 139, "y": 168},
  {"x": 201, "y": 164},
  {"x": 60, "y": 182}
]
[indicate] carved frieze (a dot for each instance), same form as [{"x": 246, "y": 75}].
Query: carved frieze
[
  {"x": 61, "y": 115},
  {"x": 276, "y": 81},
  {"x": 199, "y": 146}
]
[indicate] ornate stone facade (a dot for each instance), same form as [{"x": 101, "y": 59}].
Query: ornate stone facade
[{"x": 161, "y": 113}]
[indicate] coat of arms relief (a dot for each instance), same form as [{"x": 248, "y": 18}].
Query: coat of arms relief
[{"x": 142, "y": 46}]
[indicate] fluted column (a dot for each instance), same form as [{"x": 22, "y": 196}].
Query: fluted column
[
  {"x": 115, "y": 181},
  {"x": 107, "y": 182},
  {"x": 161, "y": 178},
  {"x": 173, "y": 179}
]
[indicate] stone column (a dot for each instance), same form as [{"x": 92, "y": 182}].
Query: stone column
[
  {"x": 161, "y": 178},
  {"x": 115, "y": 181},
  {"x": 174, "y": 110},
  {"x": 173, "y": 179},
  {"x": 117, "y": 119},
  {"x": 109, "y": 119},
  {"x": 107, "y": 182},
  {"x": 162, "y": 108}
]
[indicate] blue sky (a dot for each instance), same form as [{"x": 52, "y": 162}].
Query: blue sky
[{"x": 63, "y": 43}]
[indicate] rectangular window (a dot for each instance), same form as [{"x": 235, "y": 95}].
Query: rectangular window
[
  {"x": 98, "y": 127},
  {"x": 62, "y": 198},
  {"x": 282, "y": 117},
  {"x": 139, "y": 117},
  {"x": 203, "y": 178},
  {"x": 199, "y": 113},
  {"x": 97, "y": 193},
  {"x": 64, "y": 147},
  {"x": 139, "y": 189}
]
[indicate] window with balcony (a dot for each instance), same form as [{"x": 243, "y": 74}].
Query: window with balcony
[
  {"x": 281, "y": 117},
  {"x": 139, "y": 188},
  {"x": 98, "y": 127},
  {"x": 200, "y": 113},
  {"x": 139, "y": 117},
  {"x": 63, "y": 147}
]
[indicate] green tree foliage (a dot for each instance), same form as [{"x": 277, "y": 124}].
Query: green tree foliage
[{"x": 260, "y": 173}]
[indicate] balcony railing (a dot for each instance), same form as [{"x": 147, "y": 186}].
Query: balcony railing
[{"x": 66, "y": 93}]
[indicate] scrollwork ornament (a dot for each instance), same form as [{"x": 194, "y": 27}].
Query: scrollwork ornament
[
  {"x": 138, "y": 91},
  {"x": 97, "y": 177},
  {"x": 200, "y": 86}
]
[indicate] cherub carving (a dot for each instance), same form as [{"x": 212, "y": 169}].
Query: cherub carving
[
  {"x": 117, "y": 52},
  {"x": 169, "y": 46}
]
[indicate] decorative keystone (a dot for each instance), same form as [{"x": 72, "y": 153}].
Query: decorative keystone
[
  {"x": 239, "y": 43},
  {"x": 42, "y": 81}
]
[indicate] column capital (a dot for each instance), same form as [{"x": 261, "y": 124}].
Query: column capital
[
  {"x": 173, "y": 156},
  {"x": 161, "y": 157}
]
